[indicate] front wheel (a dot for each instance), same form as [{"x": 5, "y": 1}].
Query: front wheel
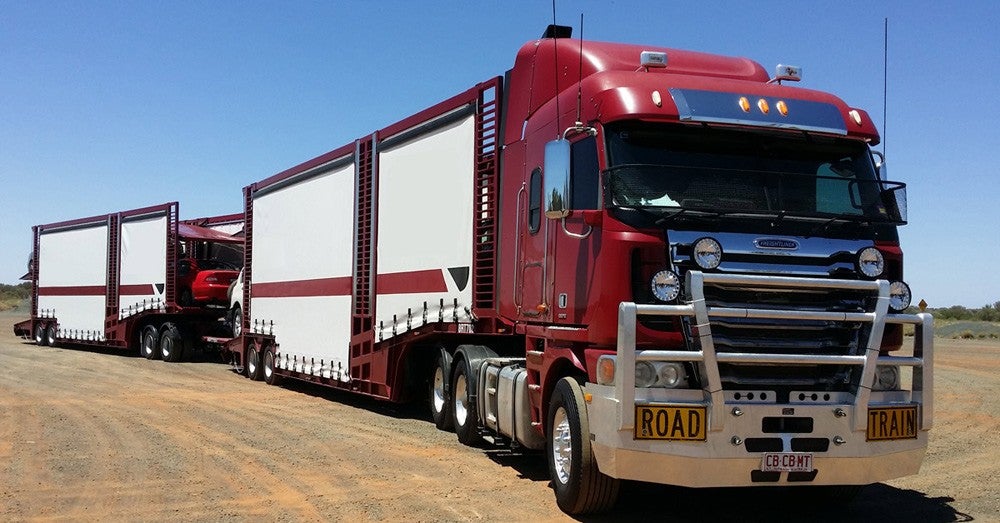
[
  {"x": 579, "y": 486},
  {"x": 171, "y": 344}
]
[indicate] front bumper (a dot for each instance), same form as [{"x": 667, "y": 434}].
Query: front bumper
[{"x": 725, "y": 457}]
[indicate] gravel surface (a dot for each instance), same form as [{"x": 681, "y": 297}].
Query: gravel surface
[{"x": 101, "y": 435}]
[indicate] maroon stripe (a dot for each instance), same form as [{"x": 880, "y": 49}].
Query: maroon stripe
[
  {"x": 75, "y": 290},
  {"x": 136, "y": 290},
  {"x": 412, "y": 282},
  {"x": 303, "y": 288}
]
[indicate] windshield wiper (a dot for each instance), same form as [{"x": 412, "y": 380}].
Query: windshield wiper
[{"x": 855, "y": 219}]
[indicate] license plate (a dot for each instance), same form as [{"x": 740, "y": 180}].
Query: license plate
[
  {"x": 670, "y": 423},
  {"x": 787, "y": 462},
  {"x": 887, "y": 423}
]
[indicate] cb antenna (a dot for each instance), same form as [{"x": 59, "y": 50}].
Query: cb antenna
[
  {"x": 885, "y": 83},
  {"x": 555, "y": 61},
  {"x": 579, "y": 82}
]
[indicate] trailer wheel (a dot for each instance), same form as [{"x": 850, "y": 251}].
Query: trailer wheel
[
  {"x": 465, "y": 412},
  {"x": 171, "y": 344},
  {"x": 40, "y": 334},
  {"x": 270, "y": 376},
  {"x": 579, "y": 486},
  {"x": 149, "y": 346},
  {"x": 50, "y": 335},
  {"x": 440, "y": 399},
  {"x": 252, "y": 365}
]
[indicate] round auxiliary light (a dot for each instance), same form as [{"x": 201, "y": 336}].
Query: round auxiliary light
[
  {"x": 707, "y": 253},
  {"x": 782, "y": 107},
  {"x": 670, "y": 375},
  {"x": 645, "y": 374},
  {"x": 666, "y": 285},
  {"x": 871, "y": 263},
  {"x": 899, "y": 296}
]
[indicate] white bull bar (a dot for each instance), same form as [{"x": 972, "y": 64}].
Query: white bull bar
[{"x": 921, "y": 361}]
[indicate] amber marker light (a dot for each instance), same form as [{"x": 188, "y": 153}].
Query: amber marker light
[
  {"x": 762, "y": 105},
  {"x": 744, "y": 104},
  {"x": 782, "y": 107},
  {"x": 856, "y": 116}
]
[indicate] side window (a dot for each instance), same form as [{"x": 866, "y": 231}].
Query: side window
[
  {"x": 535, "y": 200},
  {"x": 584, "y": 175}
]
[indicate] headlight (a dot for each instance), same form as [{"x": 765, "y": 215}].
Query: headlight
[
  {"x": 707, "y": 253},
  {"x": 670, "y": 375},
  {"x": 871, "y": 263},
  {"x": 886, "y": 377},
  {"x": 645, "y": 374},
  {"x": 899, "y": 296},
  {"x": 666, "y": 285}
]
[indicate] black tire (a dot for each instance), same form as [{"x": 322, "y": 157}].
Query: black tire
[
  {"x": 464, "y": 409},
  {"x": 579, "y": 486},
  {"x": 40, "y": 334},
  {"x": 171, "y": 344},
  {"x": 440, "y": 392},
  {"x": 271, "y": 377},
  {"x": 185, "y": 299},
  {"x": 50, "y": 335},
  {"x": 236, "y": 321},
  {"x": 149, "y": 343},
  {"x": 252, "y": 364}
]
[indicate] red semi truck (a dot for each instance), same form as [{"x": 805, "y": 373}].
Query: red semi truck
[
  {"x": 130, "y": 280},
  {"x": 652, "y": 264}
]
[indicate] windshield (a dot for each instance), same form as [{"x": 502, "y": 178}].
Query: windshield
[{"x": 730, "y": 171}]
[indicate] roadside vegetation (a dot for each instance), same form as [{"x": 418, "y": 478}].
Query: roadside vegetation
[{"x": 12, "y": 295}]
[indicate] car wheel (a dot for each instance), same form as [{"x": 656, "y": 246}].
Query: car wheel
[
  {"x": 50, "y": 335},
  {"x": 270, "y": 376},
  {"x": 40, "y": 334},
  {"x": 236, "y": 319},
  {"x": 440, "y": 400},
  {"x": 464, "y": 408},
  {"x": 252, "y": 365},
  {"x": 149, "y": 346},
  {"x": 185, "y": 300},
  {"x": 171, "y": 344},
  {"x": 579, "y": 486}
]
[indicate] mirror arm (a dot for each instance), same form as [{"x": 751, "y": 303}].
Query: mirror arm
[{"x": 576, "y": 235}]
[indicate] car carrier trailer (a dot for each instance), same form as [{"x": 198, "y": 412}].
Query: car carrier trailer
[
  {"x": 112, "y": 280},
  {"x": 652, "y": 264}
]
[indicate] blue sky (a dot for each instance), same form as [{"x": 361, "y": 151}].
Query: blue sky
[{"x": 107, "y": 106}]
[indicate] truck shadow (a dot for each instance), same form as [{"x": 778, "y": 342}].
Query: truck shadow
[{"x": 650, "y": 502}]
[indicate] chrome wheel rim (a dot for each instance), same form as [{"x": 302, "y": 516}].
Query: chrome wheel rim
[
  {"x": 252, "y": 361},
  {"x": 437, "y": 400},
  {"x": 166, "y": 347},
  {"x": 461, "y": 400},
  {"x": 147, "y": 345},
  {"x": 268, "y": 365},
  {"x": 562, "y": 445}
]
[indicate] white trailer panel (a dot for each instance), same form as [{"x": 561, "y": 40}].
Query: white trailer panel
[
  {"x": 302, "y": 267},
  {"x": 72, "y": 279},
  {"x": 425, "y": 215},
  {"x": 143, "y": 264}
]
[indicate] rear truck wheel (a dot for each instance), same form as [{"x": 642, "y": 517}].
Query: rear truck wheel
[
  {"x": 50, "y": 335},
  {"x": 236, "y": 320},
  {"x": 40, "y": 334},
  {"x": 171, "y": 344},
  {"x": 149, "y": 343},
  {"x": 440, "y": 397},
  {"x": 270, "y": 376},
  {"x": 579, "y": 486},
  {"x": 466, "y": 415},
  {"x": 252, "y": 365}
]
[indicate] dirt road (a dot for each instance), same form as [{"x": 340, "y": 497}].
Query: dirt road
[{"x": 99, "y": 435}]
